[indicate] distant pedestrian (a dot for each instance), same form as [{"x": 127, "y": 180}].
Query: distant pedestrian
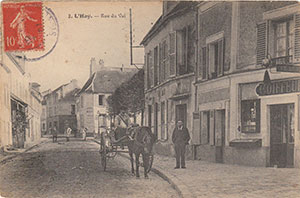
[
  {"x": 54, "y": 134},
  {"x": 68, "y": 133},
  {"x": 180, "y": 138},
  {"x": 84, "y": 131}
]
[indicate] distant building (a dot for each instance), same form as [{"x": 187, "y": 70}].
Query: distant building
[
  {"x": 60, "y": 107},
  {"x": 92, "y": 107}
]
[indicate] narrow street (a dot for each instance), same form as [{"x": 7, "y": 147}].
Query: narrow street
[{"x": 73, "y": 169}]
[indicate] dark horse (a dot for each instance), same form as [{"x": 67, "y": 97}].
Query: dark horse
[{"x": 140, "y": 141}]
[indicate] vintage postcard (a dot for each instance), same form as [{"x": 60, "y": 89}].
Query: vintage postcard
[{"x": 149, "y": 99}]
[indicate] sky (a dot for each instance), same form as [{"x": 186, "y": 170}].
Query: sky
[{"x": 80, "y": 39}]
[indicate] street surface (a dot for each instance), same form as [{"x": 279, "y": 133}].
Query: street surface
[{"x": 73, "y": 169}]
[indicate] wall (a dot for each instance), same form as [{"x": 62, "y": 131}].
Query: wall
[{"x": 214, "y": 20}]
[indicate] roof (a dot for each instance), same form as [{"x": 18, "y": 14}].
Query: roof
[
  {"x": 70, "y": 96},
  {"x": 106, "y": 81},
  {"x": 179, "y": 9}
]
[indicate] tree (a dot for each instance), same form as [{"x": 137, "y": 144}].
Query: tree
[{"x": 129, "y": 97}]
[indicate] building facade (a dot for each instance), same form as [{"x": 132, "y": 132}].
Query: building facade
[
  {"x": 16, "y": 108},
  {"x": 170, "y": 63},
  {"x": 241, "y": 99},
  {"x": 92, "y": 107},
  {"x": 241, "y": 117},
  {"x": 61, "y": 107}
]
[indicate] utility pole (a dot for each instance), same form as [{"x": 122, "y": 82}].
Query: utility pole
[{"x": 131, "y": 45}]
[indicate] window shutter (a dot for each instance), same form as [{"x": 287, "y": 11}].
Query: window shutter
[
  {"x": 160, "y": 63},
  {"x": 221, "y": 57},
  {"x": 297, "y": 38},
  {"x": 202, "y": 69},
  {"x": 172, "y": 53},
  {"x": 212, "y": 127},
  {"x": 261, "y": 42},
  {"x": 204, "y": 128},
  {"x": 146, "y": 71}
]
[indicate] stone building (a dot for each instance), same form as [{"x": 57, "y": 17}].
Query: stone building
[
  {"x": 92, "y": 106},
  {"x": 170, "y": 63},
  {"x": 61, "y": 107},
  {"x": 242, "y": 117}
]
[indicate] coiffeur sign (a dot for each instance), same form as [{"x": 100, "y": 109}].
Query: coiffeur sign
[{"x": 278, "y": 87}]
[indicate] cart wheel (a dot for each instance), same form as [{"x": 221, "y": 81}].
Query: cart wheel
[
  {"x": 151, "y": 157},
  {"x": 103, "y": 157}
]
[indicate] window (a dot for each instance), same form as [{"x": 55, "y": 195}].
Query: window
[
  {"x": 50, "y": 124},
  {"x": 250, "y": 112},
  {"x": 44, "y": 126},
  {"x": 283, "y": 39},
  {"x": 163, "y": 121},
  {"x": 172, "y": 53},
  {"x": 72, "y": 109},
  {"x": 279, "y": 39},
  {"x": 163, "y": 55},
  {"x": 100, "y": 99},
  {"x": 149, "y": 70},
  {"x": 215, "y": 59},
  {"x": 181, "y": 49}
]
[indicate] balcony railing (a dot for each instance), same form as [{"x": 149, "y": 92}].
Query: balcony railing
[{"x": 283, "y": 60}]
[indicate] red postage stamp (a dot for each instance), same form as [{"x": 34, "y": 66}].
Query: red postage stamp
[{"x": 23, "y": 26}]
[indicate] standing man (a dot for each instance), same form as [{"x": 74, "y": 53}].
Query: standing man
[
  {"x": 54, "y": 134},
  {"x": 180, "y": 139}
]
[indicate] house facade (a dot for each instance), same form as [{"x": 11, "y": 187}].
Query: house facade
[
  {"x": 243, "y": 117},
  {"x": 15, "y": 104},
  {"x": 170, "y": 63},
  {"x": 61, "y": 107},
  {"x": 242, "y": 96},
  {"x": 92, "y": 107},
  {"x": 34, "y": 115}
]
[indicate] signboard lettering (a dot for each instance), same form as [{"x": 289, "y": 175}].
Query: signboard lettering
[{"x": 278, "y": 87}]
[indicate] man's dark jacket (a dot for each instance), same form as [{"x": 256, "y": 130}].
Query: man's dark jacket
[{"x": 180, "y": 137}]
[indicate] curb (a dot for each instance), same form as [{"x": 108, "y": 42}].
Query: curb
[
  {"x": 13, "y": 155},
  {"x": 176, "y": 184}
]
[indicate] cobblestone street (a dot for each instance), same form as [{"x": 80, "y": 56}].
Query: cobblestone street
[
  {"x": 73, "y": 169},
  {"x": 204, "y": 179}
]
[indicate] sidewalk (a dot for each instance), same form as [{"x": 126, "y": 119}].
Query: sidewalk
[
  {"x": 7, "y": 155},
  {"x": 204, "y": 179}
]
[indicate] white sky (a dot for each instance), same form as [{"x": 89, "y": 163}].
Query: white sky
[{"x": 81, "y": 39}]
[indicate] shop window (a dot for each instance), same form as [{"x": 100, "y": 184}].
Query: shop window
[{"x": 250, "y": 113}]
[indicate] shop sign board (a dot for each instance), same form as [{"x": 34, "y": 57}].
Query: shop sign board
[{"x": 278, "y": 87}]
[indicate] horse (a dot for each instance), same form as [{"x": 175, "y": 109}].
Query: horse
[{"x": 141, "y": 144}]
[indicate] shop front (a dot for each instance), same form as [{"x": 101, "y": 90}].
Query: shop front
[{"x": 267, "y": 128}]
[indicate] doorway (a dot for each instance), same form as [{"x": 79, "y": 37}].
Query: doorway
[
  {"x": 282, "y": 135},
  {"x": 181, "y": 114},
  {"x": 220, "y": 134}
]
